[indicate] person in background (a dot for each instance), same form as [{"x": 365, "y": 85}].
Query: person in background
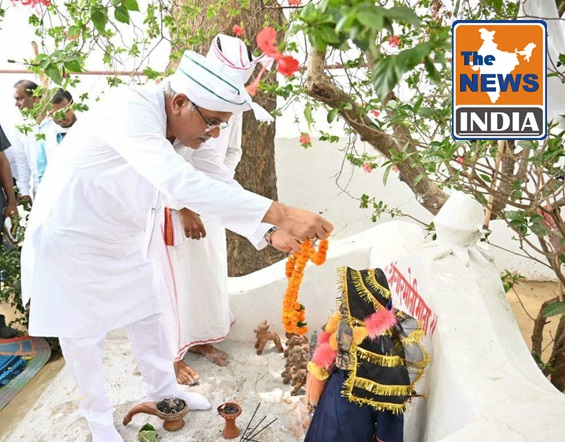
[
  {"x": 64, "y": 118},
  {"x": 7, "y": 196},
  {"x": 198, "y": 292},
  {"x": 27, "y": 98}
]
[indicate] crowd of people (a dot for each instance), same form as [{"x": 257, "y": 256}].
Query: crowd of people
[{"x": 129, "y": 206}]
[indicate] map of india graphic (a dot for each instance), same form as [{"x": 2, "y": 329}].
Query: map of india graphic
[{"x": 505, "y": 62}]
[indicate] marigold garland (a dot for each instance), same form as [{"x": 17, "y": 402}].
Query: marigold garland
[{"x": 294, "y": 313}]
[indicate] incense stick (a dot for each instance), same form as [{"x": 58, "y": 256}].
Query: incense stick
[{"x": 249, "y": 423}]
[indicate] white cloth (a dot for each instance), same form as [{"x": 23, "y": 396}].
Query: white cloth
[
  {"x": 197, "y": 310},
  {"x": 233, "y": 52},
  {"x": 212, "y": 85},
  {"x": 85, "y": 261},
  {"x": 84, "y": 359}
]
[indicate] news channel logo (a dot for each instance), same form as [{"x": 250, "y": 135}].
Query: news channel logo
[{"x": 499, "y": 79}]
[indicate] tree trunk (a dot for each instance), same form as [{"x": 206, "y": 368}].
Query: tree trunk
[
  {"x": 195, "y": 23},
  {"x": 558, "y": 358}
]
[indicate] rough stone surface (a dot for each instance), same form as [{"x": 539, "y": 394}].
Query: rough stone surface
[{"x": 247, "y": 380}]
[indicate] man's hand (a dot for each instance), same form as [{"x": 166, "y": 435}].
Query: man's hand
[
  {"x": 284, "y": 242},
  {"x": 11, "y": 207},
  {"x": 192, "y": 224},
  {"x": 299, "y": 223}
]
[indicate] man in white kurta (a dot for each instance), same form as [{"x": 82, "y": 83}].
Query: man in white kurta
[
  {"x": 198, "y": 292},
  {"x": 88, "y": 261}
]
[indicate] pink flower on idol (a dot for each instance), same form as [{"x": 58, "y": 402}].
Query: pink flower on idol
[
  {"x": 395, "y": 169},
  {"x": 394, "y": 41},
  {"x": 367, "y": 167},
  {"x": 375, "y": 113},
  {"x": 294, "y": 2},
  {"x": 305, "y": 140},
  {"x": 238, "y": 30}
]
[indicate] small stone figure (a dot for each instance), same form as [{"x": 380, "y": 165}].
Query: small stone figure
[
  {"x": 296, "y": 340},
  {"x": 298, "y": 379},
  {"x": 297, "y": 352},
  {"x": 263, "y": 335}
]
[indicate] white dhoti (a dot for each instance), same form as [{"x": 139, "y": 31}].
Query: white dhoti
[{"x": 198, "y": 293}]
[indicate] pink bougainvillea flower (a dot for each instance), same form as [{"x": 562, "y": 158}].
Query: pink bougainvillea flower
[
  {"x": 266, "y": 42},
  {"x": 287, "y": 65},
  {"x": 375, "y": 113},
  {"x": 459, "y": 160},
  {"x": 367, "y": 167},
  {"x": 394, "y": 41},
  {"x": 294, "y": 2},
  {"x": 238, "y": 30},
  {"x": 395, "y": 169},
  {"x": 305, "y": 140},
  {"x": 35, "y": 3}
]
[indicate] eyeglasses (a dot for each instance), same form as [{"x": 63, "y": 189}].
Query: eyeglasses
[{"x": 211, "y": 126}]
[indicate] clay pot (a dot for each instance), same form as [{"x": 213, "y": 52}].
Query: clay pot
[
  {"x": 230, "y": 411},
  {"x": 171, "y": 421}
]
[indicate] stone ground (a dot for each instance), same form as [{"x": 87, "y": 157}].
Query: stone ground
[
  {"x": 52, "y": 399},
  {"x": 248, "y": 380}
]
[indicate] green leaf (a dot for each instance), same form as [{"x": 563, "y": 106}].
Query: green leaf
[
  {"x": 73, "y": 31},
  {"x": 554, "y": 309},
  {"x": 372, "y": 17},
  {"x": 54, "y": 73},
  {"x": 332, "y": 114},
  {"x": 390, "y": 70},
  {"x": 514, "y": 215},
  {"x": 122, "y": 15},
  {"x": 73, "y": 66},
  {"x": 99, "y": 19},
  {"x": 131, "y": 5},
  {"x": 308, "y": 115},
  {"x": 538, "y": 230},
  {"x": 404, "y": 14}
]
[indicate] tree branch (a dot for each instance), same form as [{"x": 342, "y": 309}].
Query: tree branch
[{"x": 320, "y": 87}]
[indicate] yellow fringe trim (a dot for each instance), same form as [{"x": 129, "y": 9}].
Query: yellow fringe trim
[
  {"x": 382, "y": 360},
  {"x": 374, "y": 284},
  {"x": 381, "y": 406},
  {"x": 363, "y": 291},
  {"x": 379, "y": 389},
  {"x": 414, "y": 338},
  {"x": 318, "y": 372}
]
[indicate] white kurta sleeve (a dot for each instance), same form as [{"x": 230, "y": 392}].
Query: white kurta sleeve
[
  {"x": 136, "y": 129},
  {"x": 208, "y": 160}
]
